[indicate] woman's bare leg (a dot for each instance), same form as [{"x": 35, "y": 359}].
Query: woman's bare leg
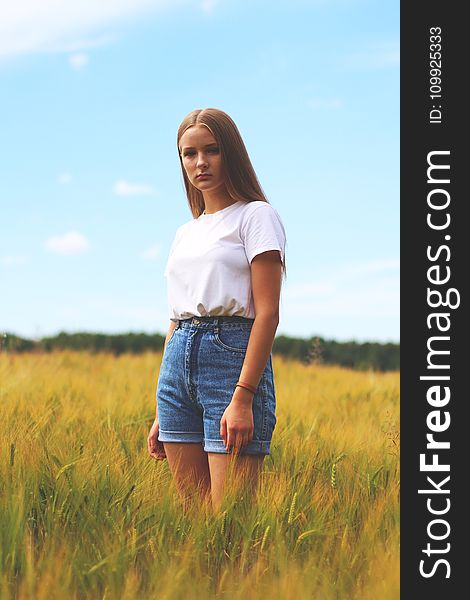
[
  {"x": 243, "y": 474},
  {"x": 190, "y": 469}
]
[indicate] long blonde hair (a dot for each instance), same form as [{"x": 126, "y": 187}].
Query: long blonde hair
[{"x": 241, "y": 181}]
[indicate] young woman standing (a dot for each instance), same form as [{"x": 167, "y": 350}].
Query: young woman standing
[{"x": 215, "y": 393}]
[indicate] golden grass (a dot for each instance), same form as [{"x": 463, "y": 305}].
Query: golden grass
[{"x": 86, "y": 513}]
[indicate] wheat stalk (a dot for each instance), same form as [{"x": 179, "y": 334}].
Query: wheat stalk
[
  {"x": 292, "y": 508},
  {"x": 333, "y": 469},
  {"x": 224, "y": 522},
  {"x": 265, "y": 537},
  {"x": 333, "y": 475}
]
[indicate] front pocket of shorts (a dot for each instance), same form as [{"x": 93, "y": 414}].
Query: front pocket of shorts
[{"x": 233, "y": 340}]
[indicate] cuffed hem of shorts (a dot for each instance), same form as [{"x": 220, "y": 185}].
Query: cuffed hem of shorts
[
  {"x": 254, "y": 447},
  {"x": 180, "y": 436}
]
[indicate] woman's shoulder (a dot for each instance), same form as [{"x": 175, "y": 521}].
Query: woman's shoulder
[
  {"x": 258, "y": 205},
  {"x": 260, "y": 216},
  {"x": 259, "y": 209},
  {"x": 253, "y": 204}
]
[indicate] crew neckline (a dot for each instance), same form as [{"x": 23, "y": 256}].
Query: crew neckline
[{"x": 221, "y": 211}]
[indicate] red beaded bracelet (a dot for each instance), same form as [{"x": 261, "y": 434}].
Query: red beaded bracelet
[{"x": 247, "y": 386}]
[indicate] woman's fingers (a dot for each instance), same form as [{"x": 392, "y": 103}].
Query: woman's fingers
[
  {"x": 223, "y": 429},
  {"x": 233, "y": 438},
  {"x": 237, "y": 440},
  {"x": 159, "y": 450},
  {"x": 236, "y": 427},
  {"x": 239, "y": 444},
  {"x": 155, "y": 448}
]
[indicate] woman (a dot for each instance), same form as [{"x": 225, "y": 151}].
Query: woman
[{"x": 215, "y": 394}]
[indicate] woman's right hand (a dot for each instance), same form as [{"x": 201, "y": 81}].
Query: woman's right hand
[{"x": 155, "y": 448}]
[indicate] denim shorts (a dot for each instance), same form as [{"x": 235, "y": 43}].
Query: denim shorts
[{"x": 201, "y": 364}]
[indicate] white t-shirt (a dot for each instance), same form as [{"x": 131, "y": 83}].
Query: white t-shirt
[{"x": 208, "y": 268}]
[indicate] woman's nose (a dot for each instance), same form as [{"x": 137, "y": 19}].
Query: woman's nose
[{"x": 201, "y": 160}]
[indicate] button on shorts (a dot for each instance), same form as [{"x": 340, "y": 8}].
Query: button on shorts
[{"x": 201, "y": 364}]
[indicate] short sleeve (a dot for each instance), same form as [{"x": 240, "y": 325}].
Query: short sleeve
[{"x": 263, "y": 230}]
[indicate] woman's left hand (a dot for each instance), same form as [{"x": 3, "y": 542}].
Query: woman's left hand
[{"x": 236, "y": 424}]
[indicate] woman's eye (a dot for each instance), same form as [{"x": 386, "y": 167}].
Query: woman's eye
[{"x": 211, "y": 150}]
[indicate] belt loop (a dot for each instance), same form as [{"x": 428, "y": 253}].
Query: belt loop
[
  {"x": 178, "y": 324},
  {"x": 216, "y": 326}
]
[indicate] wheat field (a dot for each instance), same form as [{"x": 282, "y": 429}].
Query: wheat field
[{"x": 85, "y": 512}]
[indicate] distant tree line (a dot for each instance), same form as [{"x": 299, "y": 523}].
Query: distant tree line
[{"x": 314, "y": 350}]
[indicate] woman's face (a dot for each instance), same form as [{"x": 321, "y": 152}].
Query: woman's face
[{"x": 200, "y": 154}]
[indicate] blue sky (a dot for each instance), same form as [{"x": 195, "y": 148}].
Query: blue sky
[{"x": 91, "y": 191}]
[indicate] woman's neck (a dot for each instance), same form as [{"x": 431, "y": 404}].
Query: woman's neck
[{"x": 216, "y": 200}]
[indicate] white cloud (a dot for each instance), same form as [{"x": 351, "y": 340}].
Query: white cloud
[
  {"x": 11, "y": 261},
  {"x": 32, "y": 26},
  {"x": 124, "y": 188},
  {"x": 208, "y": 5},
  {"x": 151, "y": 253},
  {"x": 65, "y": 178},
  {"x": 70, "y": 243},
  {"x": 79, "y": 44},
  {"x": 79, "y": 60}
]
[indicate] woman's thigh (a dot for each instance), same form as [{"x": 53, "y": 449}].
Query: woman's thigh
[
  {"x": 189, "y": 466},
  {"x": 239, "y": 473}
]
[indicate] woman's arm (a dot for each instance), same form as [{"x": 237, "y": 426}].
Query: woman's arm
[
  {"x": 237, "y": 422},
  {"x": 266, "y": 286},
  {"x": 170, "y": 331}
]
